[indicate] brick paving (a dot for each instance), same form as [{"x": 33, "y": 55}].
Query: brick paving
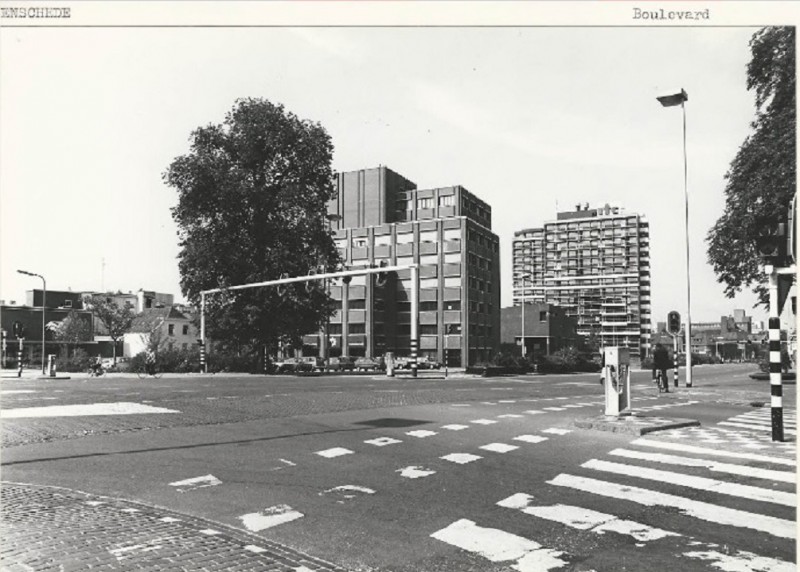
[{"x": 47, "y": 528}]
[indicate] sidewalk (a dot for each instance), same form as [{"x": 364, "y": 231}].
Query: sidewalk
[{"x": 53, "y": 528}]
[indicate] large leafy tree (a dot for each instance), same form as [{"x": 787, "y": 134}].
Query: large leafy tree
[
  {"x": 116, "y": 318},
  {"x": 252, "y": 204},
  {"x": 761, "y": 179}
]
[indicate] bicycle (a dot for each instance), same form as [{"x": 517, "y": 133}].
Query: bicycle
[
  {"x": 98, "y": 371},
  {"x": 150, "y": 370},
  {"x": 661, "y": 381}
]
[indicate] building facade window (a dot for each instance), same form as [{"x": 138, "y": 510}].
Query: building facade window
[
  {"x": 427, "y": 203},
  {"x": 448, "y": 201},
  {"x": 171, "y": 329},
  {"x": 185, "y": 330}
]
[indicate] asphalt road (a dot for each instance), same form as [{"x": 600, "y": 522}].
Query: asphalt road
[{"x": 372, "y": 473}]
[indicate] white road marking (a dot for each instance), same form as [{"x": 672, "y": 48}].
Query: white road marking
[
  {"x": 347, "y": 492},
  {"x": 713, "y": 452},
  {"x": 129, "y": 510},
  {"x": 461, "y": 458},
  {"x": 531, "y": 438},
  {"x": 742, "y": 562},
  {"x": 421, "y": 433},
  {"x": 553, "y": 408},
  {"x": 483, "y": 421},
  {"x": 557, "y": 431},
  {"x": 533, "y": 411},
  {"x": 382, "y": 441},
  {"x": 499, "y": 447},
  {"x": 85, "y": 410},
  {"x": 585, "y": 519},
  {"x": 455, "y": 427},
  {"x": 335, "y": 452},
  {"x": 506, "y": 401},
  {"x": 510, "y": 416},
  {"x": 210, "y": 532},
  {"x": 16, "y": 391},
  {"x": 415, "y": 472},
  {"x": 254, "y": 549},
  {"x": 699, "y": 483},
  {"x": 743, "y": 470},
  {"x": 273, "y": 516},
  {"x": 500, "y": 546},
  {"x": 196, "y": 483},
  {"x": 755, "y": 426},
  {"x": 94, "y": 502},
  {"x": 697, "y": 509},
  {"x": 169, "y": 519}
]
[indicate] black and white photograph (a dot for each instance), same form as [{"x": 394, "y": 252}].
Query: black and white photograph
[{"x": 401, "y": 286}]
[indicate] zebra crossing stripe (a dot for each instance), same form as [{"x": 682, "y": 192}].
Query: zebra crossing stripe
[
  {"x": 500, "y": 546},
  {"x": 696, "y": 509},
  {"x": 713, "y": 452},
  {"x": 752, "y": 426},
  {"x": 742, "y": 470},
  {"x": 745, "y": 561},
  {"x": 585, "y": 519},
  {"x": 690, "y": 481}
]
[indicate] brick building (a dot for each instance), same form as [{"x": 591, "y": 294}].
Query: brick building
[{"x": 548, "y": 328}]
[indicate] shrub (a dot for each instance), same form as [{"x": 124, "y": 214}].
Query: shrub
[{"x": 79, "y": 361}]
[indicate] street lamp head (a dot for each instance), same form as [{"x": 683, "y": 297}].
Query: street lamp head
[
  {"x": 27, "y": 273},
  {"x": 673, "y": 99}
]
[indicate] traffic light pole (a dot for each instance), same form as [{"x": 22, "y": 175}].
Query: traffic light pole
[{"x": 775, "y": 366}]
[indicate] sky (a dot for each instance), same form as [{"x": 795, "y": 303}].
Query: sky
[{"x": 530, "y": 119}]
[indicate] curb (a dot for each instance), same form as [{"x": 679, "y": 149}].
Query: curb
[{"x": 633, "y": 425}]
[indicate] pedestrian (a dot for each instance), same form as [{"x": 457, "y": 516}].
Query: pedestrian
[{"x": 661, "y": 363}]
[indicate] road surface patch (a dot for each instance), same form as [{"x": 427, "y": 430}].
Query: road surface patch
[
  {"x": 382, "y": 441},
  {"x": 334, "y": 452},
  {"x": 499, "y": 447},
  {"x": 270, "y": 517},
  {"x": 196, "y": 483},
  {"x": 697, "y": 509},
  {"x": 415, "y": 472},
  {"x": 84, "y": 410},
  {"x": 499, "y": 546},
  {"x": 461, "y": 458}
]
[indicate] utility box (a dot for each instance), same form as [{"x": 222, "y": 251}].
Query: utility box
[
  {"x": 617, "y": 378},
  {"x": 390, "y": 364},
  {"x": 51, "y": 364}
]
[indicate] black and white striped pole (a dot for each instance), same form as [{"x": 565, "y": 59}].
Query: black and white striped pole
[
  {"x": 775, "y": 369},
  {"x": 414, "y": 318},
  {"x": 202, "y": 341}
]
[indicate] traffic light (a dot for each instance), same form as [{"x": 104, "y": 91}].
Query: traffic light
[
  {"x": 381, "y": 277},
  {"x": 19, "y": 330},
  {"x": 674, "y": 323},
  {"x": 771, "y": 241}
]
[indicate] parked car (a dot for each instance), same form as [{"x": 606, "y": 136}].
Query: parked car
[
  {"x": 370, "y": 364},
  {"x": 341, "y": 364},
  {"x": 292, "y": 365},
  {"x": 428, "y": 363},
  {"x": 316, "y": 363}
]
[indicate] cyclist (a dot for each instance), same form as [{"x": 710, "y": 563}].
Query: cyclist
[
  {"x": 661, "y": 363},
  {"x": 150, "y": 361},
  {"x": 96, "y": 367}
]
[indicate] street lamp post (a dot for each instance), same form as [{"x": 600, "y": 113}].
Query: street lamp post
[
  {"x": 44, "y": 305},
  {"x": 671, "y": 101}
]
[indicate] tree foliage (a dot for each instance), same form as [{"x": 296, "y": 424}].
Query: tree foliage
[
  {"x": 73, "y": 330},
  {"x": 761, "y": 178},
  {"x": 252, "y": 204},
  {"x": 116, "y": 319}
]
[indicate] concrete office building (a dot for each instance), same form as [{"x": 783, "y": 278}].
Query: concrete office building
[
  {"x": 594, "y": 263},
  {"x": 380, "y": 216}
]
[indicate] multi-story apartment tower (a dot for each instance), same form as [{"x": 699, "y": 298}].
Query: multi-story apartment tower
[
  {"x": 595, "y": 263},
  {"x": 379, "y": 216}
]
